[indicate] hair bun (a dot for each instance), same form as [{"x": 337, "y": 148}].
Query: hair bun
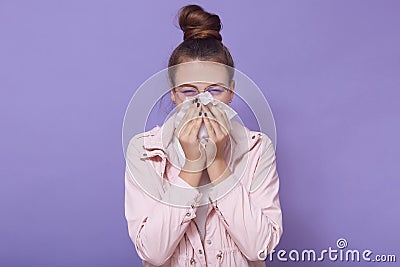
[{"x": 197, "y": 23}]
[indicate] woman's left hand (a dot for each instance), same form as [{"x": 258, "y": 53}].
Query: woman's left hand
[{"x": 218, "y": 129}]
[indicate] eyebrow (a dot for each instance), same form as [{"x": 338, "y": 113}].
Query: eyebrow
[{"x": 191, "y": 85}]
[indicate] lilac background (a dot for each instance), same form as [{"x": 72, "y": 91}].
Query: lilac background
[{"x": 329, "y": 69}]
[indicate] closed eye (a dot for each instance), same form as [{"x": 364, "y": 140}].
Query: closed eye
[
  {"x": 189, "y": 91},
  {"x": 215, "y": 90}
]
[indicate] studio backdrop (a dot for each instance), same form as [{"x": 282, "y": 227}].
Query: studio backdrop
[{"x": 329, "y": 71}]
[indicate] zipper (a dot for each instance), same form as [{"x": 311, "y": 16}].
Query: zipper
[
  {"x": 192, "y": 260},
  {"x": 198, "y": 230},
  {"x": 220, "y": 253},
  {"x": 205, "y": 223},
  {"x": 163, "y": 166},
  {"x": 186, "y": 251},
  {"x": 205, "y": 232},
  {"x": 197, "y": 227}
]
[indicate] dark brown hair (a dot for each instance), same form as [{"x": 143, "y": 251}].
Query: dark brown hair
[{"x": 201, "y": 39}]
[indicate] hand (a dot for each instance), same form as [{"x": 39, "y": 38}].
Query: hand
[
  {"x": 187, "y": 132},
  {"x": 218, "y": 129}
]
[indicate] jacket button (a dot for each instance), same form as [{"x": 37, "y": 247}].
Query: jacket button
[
  {"x": 209, "y": 242},
  {"x": 200, "y": 251},
  {"x": 144, "y": 154},
  {"x": 253, "y": 137},
  {"x": 219, "y": 256},
  {"x": 188, "y": 214}
]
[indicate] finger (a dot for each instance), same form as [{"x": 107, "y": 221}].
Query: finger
[
  {"x": 227, "y": 124},
  {"x": 211, "y": 152},
  {"x": 185, "y": 116},
  {"x": 209, "y": 128},
  {"x": 188, "y": 126},
  {"x": 192, "y": 105},
  {"x": 216, "y": 125},
  {"x": 195, "y": 118},
  {"x": 184, "y": 120},
  {"x": 196, "y": 125},
  {"x": 219, "y": 116},
  {"x": 213, "y": 122},
  {"x": 187, "y": 121}
]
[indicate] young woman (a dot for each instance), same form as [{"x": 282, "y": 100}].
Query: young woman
[{"x": 169, "y": 222}]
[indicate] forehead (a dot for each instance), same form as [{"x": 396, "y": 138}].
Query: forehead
[{"x": 201, "y": 71}]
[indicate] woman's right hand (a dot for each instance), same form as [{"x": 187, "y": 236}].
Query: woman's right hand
[{"x": 187, "y": 132}]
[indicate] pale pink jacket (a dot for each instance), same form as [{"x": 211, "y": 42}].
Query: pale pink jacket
[{"x": 241, "y": 226}]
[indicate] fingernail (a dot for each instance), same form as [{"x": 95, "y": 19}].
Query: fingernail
[
  {"x": 205, "y": 114},
  {"x": 198, "y": 104},
  {"x": 200, "y": 113}
]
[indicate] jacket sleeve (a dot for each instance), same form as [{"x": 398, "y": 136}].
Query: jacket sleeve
[
  {"x": 253, "y": 217},
  {"x": 154, "y": 226}
]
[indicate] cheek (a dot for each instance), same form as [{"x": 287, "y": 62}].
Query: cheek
[
  {"x": 178, "y": 100},
  {"x": 224, "y": 99}
]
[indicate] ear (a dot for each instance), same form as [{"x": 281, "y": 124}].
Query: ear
[
  {"x": 173, "y": 96},
  {"x": 232, "y": 87}
]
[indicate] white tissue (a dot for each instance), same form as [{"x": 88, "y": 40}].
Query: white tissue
[{"x": 204, "y": 98}]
